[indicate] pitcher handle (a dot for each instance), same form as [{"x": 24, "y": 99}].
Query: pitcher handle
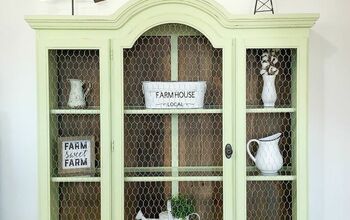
[
  {"x": 248, "y": 149},
  {"x": 88, "y": 89}
]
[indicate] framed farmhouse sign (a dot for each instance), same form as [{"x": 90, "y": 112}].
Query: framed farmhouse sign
[{"x": 76, "y": 155}]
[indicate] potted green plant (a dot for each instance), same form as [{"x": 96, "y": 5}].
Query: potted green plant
[{"x": 181, "y": 207}]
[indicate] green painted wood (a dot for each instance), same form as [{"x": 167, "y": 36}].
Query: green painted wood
[
  {"x": 170, "y": 169},
  {"x": 44, "y": 164},
  {"x": 293, "y": 125},
  {"x": 229, "y": 137},
  {"x": 75, "y": 111},
  {"x": 75, "y": 179},
  {"x": 240, "y": 127},
  {"x": 117, "y": 128},
  {"x": 54, "y": 200},
  {"x": 174, "y": 111},
  {"x": 283, "y": 169},
  {"x": 105, "y": 121},
  {"x": 271, "y": 178},
  {"x": 270, "y": 110},
  {"x": 175, "y": 178},
  {"x": 54, "y": 192},
  {"x": 302, "y": 131},
  {"x": 174, "y": 57},
  {"x": 174, "y": 117},
  {"x": 111, "y": 34}
]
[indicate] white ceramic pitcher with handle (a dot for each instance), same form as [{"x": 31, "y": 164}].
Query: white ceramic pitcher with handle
[
  {"x": 77, "y": 96},
  {"x": 268, "y": 158}
]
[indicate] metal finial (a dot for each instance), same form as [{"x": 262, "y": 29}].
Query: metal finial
[
  {"x": 96, "y": 1},
  {"x": 263, "y": 6}
]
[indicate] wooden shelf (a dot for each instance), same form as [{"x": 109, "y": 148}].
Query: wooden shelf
[
  {"x": 173, "y": 178},
  {"x": 92, "y": 111},
  {"x": 75, "y": 179},
  {"x": 271, "y": 178},
  {"x": 270, "y": 110},
  {"x": 142, "y": 110},
  {"x": 283, "y": 169},
  {"x": 170, "y": 169}
]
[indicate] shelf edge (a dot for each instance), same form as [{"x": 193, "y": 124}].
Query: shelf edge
[
  {"x": 75, "y": 179},
  {"x": 75, "y": 111},
  {"x": 171, "y": 178},
  {"x": 172, "y": 111},
  {"x": 271, "y": 178},
  {"x": 270, "y": 110}
]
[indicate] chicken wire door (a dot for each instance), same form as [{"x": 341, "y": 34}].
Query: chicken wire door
[
  {"x": 169, "y": 152},
  {"x": 275, "y": 181},
  {"x": 76, "y": 115}
]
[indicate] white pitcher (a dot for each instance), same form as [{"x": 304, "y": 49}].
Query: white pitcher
[
  {"x": 268, "y": 158},
  {"x": 269, "y": 94},
  {"x": 77, "y": 96}
]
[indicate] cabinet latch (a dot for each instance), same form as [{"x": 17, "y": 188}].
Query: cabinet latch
[{"x": 228, "y": 151}]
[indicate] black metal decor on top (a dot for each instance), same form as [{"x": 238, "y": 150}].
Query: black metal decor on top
[
  {"x": 96, "y": 1},
  {"x": 263, "y": 6}
]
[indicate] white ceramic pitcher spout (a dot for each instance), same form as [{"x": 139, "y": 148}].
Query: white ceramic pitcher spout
[
  {"x": 77, "y": 96},
  {"x": 268, "y": 158}
]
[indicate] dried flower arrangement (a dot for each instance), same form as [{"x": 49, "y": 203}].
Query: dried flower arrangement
[{"x": 268, "y": 62}]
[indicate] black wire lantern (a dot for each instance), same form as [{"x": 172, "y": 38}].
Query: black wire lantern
[
  {"x": 263, "y": 6},
  {"x": 73, "y": 4}
]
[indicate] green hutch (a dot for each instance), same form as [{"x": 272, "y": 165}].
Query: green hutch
[{"x": 144, "y": 156}]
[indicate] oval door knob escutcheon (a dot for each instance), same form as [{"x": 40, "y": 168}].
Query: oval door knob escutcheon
[{"x": 228, "y": 151}]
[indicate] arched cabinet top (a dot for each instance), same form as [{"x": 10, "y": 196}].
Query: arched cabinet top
[{"x": 189, "y": 12}]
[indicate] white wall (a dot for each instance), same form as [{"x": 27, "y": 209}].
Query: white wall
[{"x": 328, "y": 109}]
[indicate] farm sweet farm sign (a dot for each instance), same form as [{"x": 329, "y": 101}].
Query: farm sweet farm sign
[{"x": 76, "y": 155}]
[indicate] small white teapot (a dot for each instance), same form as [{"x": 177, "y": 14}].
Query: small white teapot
[
  {"x": 268, "y": 158},
  {"x": 77, "y": 96}
]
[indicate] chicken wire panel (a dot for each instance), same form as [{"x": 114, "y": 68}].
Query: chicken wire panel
[
  {"x": 207, "y": 198},
  {"x": 172, "y": 29},
  {"x": 200, "y": 61},
  {"x": 82, "y": 65},
  {"x": 265, "y": 124},
  {"x": 147, "y": 141},
  {"x": 151, "y": 198},
  {"x": 77, "y": 200},
  {"x": 74, "y": 125},
  {"x": 200, "y": 140},
  {"x": 148, "y": 60},
  {"x": 270, "y": 200},
  {"x": 285, "y": 79}
]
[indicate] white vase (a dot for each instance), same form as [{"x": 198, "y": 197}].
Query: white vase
[{"x": 269, "y": 95}]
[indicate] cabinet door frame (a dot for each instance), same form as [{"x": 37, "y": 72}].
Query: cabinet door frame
[
  {"x": 228, "y": 107},
  {"x": 272, "y": 38},
  {"x": 62, "y": 40}
]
